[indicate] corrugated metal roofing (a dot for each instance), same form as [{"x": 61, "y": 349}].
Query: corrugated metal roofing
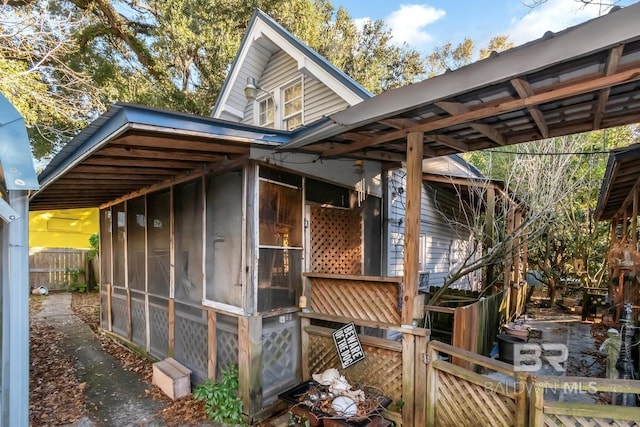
[
  {"x": 621, "y": 176},
  {"x": 581, "y": 79}
]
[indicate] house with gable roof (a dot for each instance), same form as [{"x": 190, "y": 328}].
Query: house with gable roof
[{"x": 210, "y": 230}]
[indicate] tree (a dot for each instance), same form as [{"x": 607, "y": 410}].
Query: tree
[
  {"x": 55, "y": 99},
  {"x": 447, "y": 57},
  {"x": 172, "y": 54},
  {"x": 565, "y": 243}
]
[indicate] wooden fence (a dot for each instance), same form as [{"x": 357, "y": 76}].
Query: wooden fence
[
  {"x": 457, "y": 396},
  {"x": 544, "y": 412},
  {"x": 397, "y": 367},
  {"x": 51, "y": 267}
]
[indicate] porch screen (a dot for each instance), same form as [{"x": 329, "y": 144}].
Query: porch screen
[
  {"x": 224, "y": 238},
  {"x": 280, "y": 239},
  {"x": 105, "y": 246},
  {"x": 118, "y": 222},
  {"x": 159, "y": 238},
  {"x": 136, "y": 220},
  {"x": 187, "y": 208}
]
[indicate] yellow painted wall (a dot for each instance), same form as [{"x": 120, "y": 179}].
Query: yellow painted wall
[{"x": 69, "y": 228}]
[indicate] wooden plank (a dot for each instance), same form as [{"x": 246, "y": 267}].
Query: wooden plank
[
  {"x": 212, "y": 344},
  {"x": 524, "y": 90},
  {"x": 172, "y": 143},
  {"x": 614, "y": 412},
  {"x": 412, "y": 225},
  {"x": 480, "y": 380},
  {"x": 367, "y": 323},
  {"x": 477, "y": 359},
  {"x": 395, "y": 280},
  {"x": 408, "y": 379},
  {"x": 603, "y": 95},
  {"x": 129, "y": 327},
  {"x": 438, "y": 309},
  {"x": 147, "y": 153},
  {"x": 589, "y": 383},
  {"x": 364, "y": 339}
]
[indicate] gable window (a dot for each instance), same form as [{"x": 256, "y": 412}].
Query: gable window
[
  {"x": 292, "y": 105},
  {"x": 266, "y": 113}
]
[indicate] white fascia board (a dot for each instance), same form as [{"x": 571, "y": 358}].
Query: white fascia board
[
  {"x": 584, "y": 39},
  {"x": 305, "y": 63}
]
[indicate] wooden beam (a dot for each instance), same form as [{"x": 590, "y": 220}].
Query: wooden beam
[
  {"x": 456, "y": 108},
  {"x": 100, "y": 169},
  {"x": 524, "y": 91},
  {"x": 148, "y": 154},
  {"x": 408, "y": 378},
  {"x": 634, "y": 219},
  {"x": 181, "y": 144},
  {"x": 449, "y": 142},
  {"x": 412, "y": 225},
  {"x": 570, "y": 89},
  {"x": 142, "y": 163},
  {"x": 212, "y": 344},
  {"x": 250, "y": 363},
  {"x": 398, "y": 123},
  {"x": 603, "y": 97}
]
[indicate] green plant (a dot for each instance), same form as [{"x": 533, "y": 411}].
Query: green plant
[
  {"x": 94, "y": 242},
  {"x": 298, "y": 420},
  {"x": 73, "y": 280},
  {"x": 220, "y": 399}
]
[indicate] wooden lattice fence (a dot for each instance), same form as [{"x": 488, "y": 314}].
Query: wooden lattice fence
[
  {"x": 361, "y": 297},
  {"x": 52, "y": 267},
  {"x": 457, "y": 396},
  {"x": 545, "y": 412},
  {"x": 336, "y": 242}
]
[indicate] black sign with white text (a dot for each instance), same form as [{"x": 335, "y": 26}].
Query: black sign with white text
[{"x": 348, "y": 345}]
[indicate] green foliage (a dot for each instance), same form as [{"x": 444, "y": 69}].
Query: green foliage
[
  {"x": 298, "y": 420},
  {"x": 221, "y": 402},
  {"x": 94, "y": 242},
  {"x": 73, "y": 280}
]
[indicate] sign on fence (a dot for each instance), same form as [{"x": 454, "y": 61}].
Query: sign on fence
[{"x": 348, "y": 345}]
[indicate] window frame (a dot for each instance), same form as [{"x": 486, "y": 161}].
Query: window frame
[{"x": 286, "y": 117}]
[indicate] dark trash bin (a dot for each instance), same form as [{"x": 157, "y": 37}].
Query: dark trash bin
[{"x": 507, "y": 347}]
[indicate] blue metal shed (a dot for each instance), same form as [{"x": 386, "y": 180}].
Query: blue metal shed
[{"x": 17, "y": 178}]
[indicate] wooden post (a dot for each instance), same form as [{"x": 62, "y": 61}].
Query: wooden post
[
  {"x": 109, "y": 316},
  {"x": 625, "y": 224},
  {"x": 408, "y": 378},
  {"x": 415, "y": 141},
  {"x": 212, "y": 343},
  {"x": 172, "y": 327},
  {"x": 521, "y": 399},
  {"x": 129, "y": 328},
  {"x": 432, "y": 388},
  {"x": 536, "y": 412},
  {"x": 489, "y": 237},
  {"x": 516, "y": 260},
  {"x": 634, "y": 220},
  {"x": 304, "y": 348},
  {"x": 250, "y": 363},
  {"x": 508, "y": 264},
  {"x": 420, "y": 381}
]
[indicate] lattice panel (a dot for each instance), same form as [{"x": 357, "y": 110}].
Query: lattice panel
[
  {"x": 381, "y": 368},
  {"x": 553, "y": 420},
  {"x": 191, "y": 346},
  {"x": 462, "y": 403},
  {"x": 280, "y": 361},
  {"x": 119, "y": 315},
  {"x": 336, "y": 242},
  {"x": 227, "y": 354},
  {"x": 356, "y": 299},
  {"x": 159, "y": 330},
  {"x": 138, "y": 322}
]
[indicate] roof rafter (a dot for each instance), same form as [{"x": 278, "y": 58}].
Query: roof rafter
[
  {"x": 456, "y": 108},
  {"x": 603, "y": 96},
  {"x": 524, "y": 91}
]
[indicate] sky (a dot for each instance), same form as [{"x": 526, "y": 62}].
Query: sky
[{"x": 427, "y": 25}]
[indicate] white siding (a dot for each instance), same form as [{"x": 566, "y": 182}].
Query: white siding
[
  {"x": 439, "y": 237},
  {"x": 319, "y": 100}
]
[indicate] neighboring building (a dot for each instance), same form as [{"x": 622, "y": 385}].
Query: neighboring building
[{"x": 62, "y": 228}]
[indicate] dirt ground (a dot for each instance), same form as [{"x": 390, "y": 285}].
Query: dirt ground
[{"x": 55, "y": 395}]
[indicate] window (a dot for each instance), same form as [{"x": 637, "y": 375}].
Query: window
[
  {"x": 266, "y": 113},
  {"x": 292, "y": 105},
  {"x": 280, "y": 239}
]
